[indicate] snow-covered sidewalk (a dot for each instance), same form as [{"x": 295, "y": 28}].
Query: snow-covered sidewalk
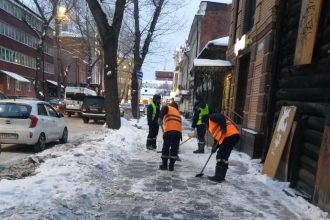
[{"x": 110, "y": 175}]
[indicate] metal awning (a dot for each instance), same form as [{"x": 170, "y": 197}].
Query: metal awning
[
  {"x": 211, "y": 66},
  {"x": 53, "y": 82},
  {"x": 212, "y": 63},
  {"x": 15, "y": 76}
]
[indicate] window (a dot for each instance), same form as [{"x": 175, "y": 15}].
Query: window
[
  {"x": 42, "y": 110},
  {"x": 250, "y": 6},
  {"x": 8, "y": 82},
  {"x": 17, "y": 85},
  {"x": 29, "y": 87},
  {"x": 51, "y": 111}
]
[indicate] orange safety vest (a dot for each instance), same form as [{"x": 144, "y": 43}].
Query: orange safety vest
[
  {"x": 215, "y": 130},
  {"x": 172, "y": 120}
]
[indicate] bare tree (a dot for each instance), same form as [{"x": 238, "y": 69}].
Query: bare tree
[
  {"x": 146, "y": 29},
  {"x": 85, "y": 25},
  {"x": 46, "y": 10},
  {"x": 109, "y": 29}
]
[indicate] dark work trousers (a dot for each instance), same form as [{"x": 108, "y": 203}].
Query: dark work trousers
[
  {"x": 170, "y": 146},
  {"x": 201, "y": 130},
  {"x": 226, "y": 147},
  {"x": 152, "y": 135}
]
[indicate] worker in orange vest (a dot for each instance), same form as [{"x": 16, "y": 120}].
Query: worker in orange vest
[
  {"x": 171, "y": 118},
  {"x": 226, "y": 136}
]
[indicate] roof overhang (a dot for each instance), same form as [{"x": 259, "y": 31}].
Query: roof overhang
[
  {"x": 53, "y": 82},
  {"x": 15, "y": 76},
  {"x": 207, "y": 65}
]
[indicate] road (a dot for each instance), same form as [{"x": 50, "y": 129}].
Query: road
[{"x": 12, "y": 153}]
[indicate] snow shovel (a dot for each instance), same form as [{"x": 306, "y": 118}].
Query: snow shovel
[{"x": 201, "y": 174}]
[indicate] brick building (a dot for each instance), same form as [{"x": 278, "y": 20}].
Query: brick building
[
  {"x": 18, "y": 50},
  {"x": 281, "y": 54},
  {"x": 210, "y": 22},
  {"x": 251, "y": 34},
  {"x": 73, "y": 58}
]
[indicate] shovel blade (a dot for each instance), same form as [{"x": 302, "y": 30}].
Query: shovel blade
[{"x": 200, "y": 175}]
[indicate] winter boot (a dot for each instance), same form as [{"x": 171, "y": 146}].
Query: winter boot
[
  {"x": 154, "y": 144},
  {"x": 171, "y": 165},
  {"x": 220, "y": 173},
  {"x": 200, "y": 149},
  {"x": 149, "y": 144},
  {"x": 164, "y": 165}
]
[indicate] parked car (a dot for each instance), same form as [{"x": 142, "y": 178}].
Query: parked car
[
  {"x": 30, "y": 122},
  {"x": 122, "y": 111},
  {"x": 22, "y": 97},
  {"x": 142, "y": 107},
  {"x": 126, "y": 106},
  {"x": 3, "y": 96},
  {"x": 93, "y": 107},
  {"x": 58, "y": 104}
]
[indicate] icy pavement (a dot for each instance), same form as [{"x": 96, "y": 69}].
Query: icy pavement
[{"x": 110, "y": 175}]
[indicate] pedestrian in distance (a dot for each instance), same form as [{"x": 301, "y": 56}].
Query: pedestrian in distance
[
  {"x": 152, "y": 118},
  {"x": 171, "y": 119},
  {"x": 200, "y": 111},
  {"x": 226, "y": 136}
]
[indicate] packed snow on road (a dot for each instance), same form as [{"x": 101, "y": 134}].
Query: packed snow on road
[{"x": 76, "y": 181}]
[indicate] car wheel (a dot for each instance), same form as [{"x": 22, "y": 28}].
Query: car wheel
[
  {"x": 41, "y": 144},
  {"x": 64, "y": 138},
  {"x": 86, "y": 120}
]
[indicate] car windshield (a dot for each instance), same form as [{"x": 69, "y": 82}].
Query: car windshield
[
  {"x": 94, "y": 101},
  {"x": 75, "y": 96},
  {"x": 14, "y": 110}
]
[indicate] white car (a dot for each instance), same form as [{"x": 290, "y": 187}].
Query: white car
[{"x": 30, "y": 122}]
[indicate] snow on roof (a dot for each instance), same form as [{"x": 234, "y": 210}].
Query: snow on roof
[
  {"x": 208, "y": 62},
  {"x": 15, "y": 76},
  {"x": 220, "y": 41},
  {"x": 223, "y": 41}
]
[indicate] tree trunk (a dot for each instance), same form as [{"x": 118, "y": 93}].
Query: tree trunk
[
  {"x": 111, "y": 87},
  {"x": 135, "y": 88}
]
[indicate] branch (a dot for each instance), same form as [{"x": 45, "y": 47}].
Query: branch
[{"x": 148, "y": 39}]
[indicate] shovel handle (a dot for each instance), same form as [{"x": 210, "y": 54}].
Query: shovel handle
[{"x": 207, "y": 160}]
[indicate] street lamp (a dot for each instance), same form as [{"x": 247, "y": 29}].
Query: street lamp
[{"x": 59, "y": 17}]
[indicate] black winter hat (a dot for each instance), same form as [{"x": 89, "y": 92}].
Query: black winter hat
[{"x": 156, "y": 97}]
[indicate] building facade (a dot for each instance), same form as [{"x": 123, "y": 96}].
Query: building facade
[
  {"x": 281, "y": 54},
  {"x": 18, "y": 51},
  {"x": 211, "y": 22}
]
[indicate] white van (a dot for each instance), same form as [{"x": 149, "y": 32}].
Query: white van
[{"x": 74, "y": 97}]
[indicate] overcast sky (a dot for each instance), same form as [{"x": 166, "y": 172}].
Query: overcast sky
[{"x": 170, "y": 42}]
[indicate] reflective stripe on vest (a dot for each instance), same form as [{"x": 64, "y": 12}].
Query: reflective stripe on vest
[
  {"x": 153, "y": 110},
  {"x": 202, "y": 113},
  {"x": 172, "y": 120},
  {"x": 215, "y": 130}
]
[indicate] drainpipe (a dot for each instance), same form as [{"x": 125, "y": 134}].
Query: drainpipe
[{"x": 274, "y": 73}]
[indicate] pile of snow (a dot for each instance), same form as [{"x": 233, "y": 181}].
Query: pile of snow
[{"x": 69, "y": 171}]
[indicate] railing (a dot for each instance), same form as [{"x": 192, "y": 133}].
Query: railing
[{"x": 237, "y": 125}]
